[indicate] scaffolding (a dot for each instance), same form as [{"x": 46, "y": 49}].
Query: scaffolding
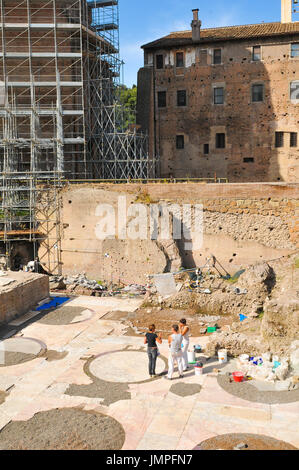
[{"x": 60, "y": 117}]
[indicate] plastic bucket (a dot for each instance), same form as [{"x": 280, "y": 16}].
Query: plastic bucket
[
  {"x": 191, "y": 356},
  {"x": 238, "y": 376},
  {"x": 198, "y": 370},
  {"x": 244, "y": 358},
  {"x": 222, "y": 356}
]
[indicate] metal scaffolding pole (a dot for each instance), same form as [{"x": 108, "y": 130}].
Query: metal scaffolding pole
[{"x": 60, "y": 114}]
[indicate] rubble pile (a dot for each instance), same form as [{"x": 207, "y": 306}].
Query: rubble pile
[
  {"x": 265, "y": 367},
  {"x": 78, "y": 285},
  {"x": 245, "y": 294},
  {"x": 272, "y": 368},
  {"x": 235, "y": 344},
  {"x": 134, "y": 289},
  {"x": 81, "y": 285}
]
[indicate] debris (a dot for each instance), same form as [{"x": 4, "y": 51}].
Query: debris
[
  {"x": 135, "y": 289},
  {"x": 242, "y": 317},
  {"x": 212, "y": 329},
  {"x": 165, "y": 284},
  {"x": 281, "y": 372},
  {"x": 241, "y": 446},
  {"x": 239, "y": 291},
  {"x": 294, "y": 356},
  {"x": 207, "y": 291},
  {"x": 209, "y": 319},
  {"x": 71, "y": 283}
]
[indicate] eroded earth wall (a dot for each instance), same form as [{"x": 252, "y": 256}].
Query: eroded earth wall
[{"x": 243, "y": 224}]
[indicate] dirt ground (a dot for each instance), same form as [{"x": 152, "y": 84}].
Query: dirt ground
[
  {"x": 247, "y": 391},
  {"x": 164, "y": 319},
  {"x": 13, "y": 358},
  {"x": 63, "y": 429},
  {"x": 60, "y": 316},
  {"x": 254, "y": 442}
]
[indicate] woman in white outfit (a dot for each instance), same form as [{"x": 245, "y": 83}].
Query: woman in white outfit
[
  {"x": 175, "y": 353},
  {"x": 185, "y": 331}
]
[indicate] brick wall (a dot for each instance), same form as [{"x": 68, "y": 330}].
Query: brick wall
[
  {"x": 250, "y": 153},
  {"x": 21, "y": 296}
]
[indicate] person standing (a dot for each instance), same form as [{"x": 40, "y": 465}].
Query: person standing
[
  {"x": 151, "y": 339},
  {"x": 185, "y": 332},
  {"x": 175, "y": 353}
]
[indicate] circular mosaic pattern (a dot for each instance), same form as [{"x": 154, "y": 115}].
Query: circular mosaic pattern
[
  {"x": 63, "y": 429},
  {"x": 249, "y": 392},
  {"x": 66, "y": 316},
  {"x": 17, "y": 350},
  {"x": 124, "y": 366},
  {"x": 185, "y": 390},
  {"x": 244, "y": 442}
]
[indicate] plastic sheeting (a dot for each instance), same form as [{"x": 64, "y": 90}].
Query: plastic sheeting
[
  {"x": 165, "y": 284},
  {"x": 55, "y": 302}
]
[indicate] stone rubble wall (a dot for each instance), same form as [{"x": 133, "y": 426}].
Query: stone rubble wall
[{"x": 243, "y": 224}]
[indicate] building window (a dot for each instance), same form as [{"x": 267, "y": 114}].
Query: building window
[
  {"x": 279, "y": 139},
  {"x": 293, "y": 139},
  {"x": 181, "y": 98},
  {"x": 220, "y": 141},
  {"x": 180, "y": 142},
  {"x": 180, "y": 59},
  {"x": 295, "y": 50},
  {"x": 217, "y": 56},
  {"x": 248, "y": 160},
  {"x": 161, "y": 99},
  {"x": 218, "y": 95},
  {"x": 295, "y": 91},
  {"x": 206, "y": 149},
  {"x": 256, "y": 53},
  {"x": 159, "y": 61},
  {"x": 257, "y": 93}
]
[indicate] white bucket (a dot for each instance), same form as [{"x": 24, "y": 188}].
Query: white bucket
[
  {"x": 191, "y": 356},
  {"x": 244, "y": 358},
  {"x": 198, "y": 370},
  {"x": 222, "y": 356}
]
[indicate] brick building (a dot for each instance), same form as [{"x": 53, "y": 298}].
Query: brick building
[{"x": 224, "y": 101}]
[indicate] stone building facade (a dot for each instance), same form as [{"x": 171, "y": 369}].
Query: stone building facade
[{"x": 224, "y": 101}]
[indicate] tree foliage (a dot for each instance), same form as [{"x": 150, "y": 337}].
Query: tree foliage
[{"x": 128, "y": 100}]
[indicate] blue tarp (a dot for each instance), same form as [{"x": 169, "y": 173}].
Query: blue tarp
[
  {"x": 242, "y": 317},
  {"x": 54, "y": 302}
]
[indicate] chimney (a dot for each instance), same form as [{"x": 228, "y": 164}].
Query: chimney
[
  {"x": 286, "y": 11},
  {"x": 196, "y": 25}
]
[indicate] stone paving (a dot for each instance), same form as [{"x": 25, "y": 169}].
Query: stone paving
[{"x": 155, "y": 417}]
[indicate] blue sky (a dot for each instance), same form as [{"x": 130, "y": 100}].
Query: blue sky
[{"x": 142, "y": 21}]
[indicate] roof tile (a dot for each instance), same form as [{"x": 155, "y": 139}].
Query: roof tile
[{"x": 229, "y": 33}]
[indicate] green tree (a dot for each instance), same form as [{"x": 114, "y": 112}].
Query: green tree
[{"x": 128, "y": 100}]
